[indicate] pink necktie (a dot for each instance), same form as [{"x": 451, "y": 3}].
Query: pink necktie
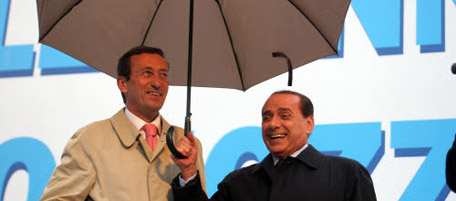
[{"x": 151, "y": 134}]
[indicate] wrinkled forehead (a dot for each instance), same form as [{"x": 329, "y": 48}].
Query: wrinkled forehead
[
  {"x": 281, "y": 102},
  {"x": 148, "y": 60}
]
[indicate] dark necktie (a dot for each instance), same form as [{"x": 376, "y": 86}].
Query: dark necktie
[{"x": 280, "y": 163}]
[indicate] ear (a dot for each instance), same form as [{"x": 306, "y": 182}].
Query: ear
[
  {"x": 122, "y": 84},
  {"x": 310, "y": 125}
]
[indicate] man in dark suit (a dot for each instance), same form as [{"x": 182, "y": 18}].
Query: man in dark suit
[{"x": 294, "y": 169}]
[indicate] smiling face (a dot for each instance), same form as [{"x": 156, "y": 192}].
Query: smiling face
[
  {"x": 146, "y": 90},
  {"x": 285, "y": 129}
]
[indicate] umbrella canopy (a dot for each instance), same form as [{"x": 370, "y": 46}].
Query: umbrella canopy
[
  {"x": 209, "y": 43},
  {"x": 233, "y": 40}
]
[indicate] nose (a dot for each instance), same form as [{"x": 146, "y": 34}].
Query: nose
[
  {"x": 273, "y": 123},
  {"x": 155, "y": 82},
  {"x": 156, "y": 85}
]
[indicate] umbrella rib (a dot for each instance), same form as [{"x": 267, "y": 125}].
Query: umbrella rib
[
  {"x": 57, "y": 21},
  {"x": 150, "y": 23},
  {"x": 316, "y": 28},
  {"x": 232, "y": 46},
  {"x": 40, "y": 17}
]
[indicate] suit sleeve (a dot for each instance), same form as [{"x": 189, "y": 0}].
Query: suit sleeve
[
  {"x": 450, "y": 170},
  {"x": 193, "y": 191},
  {"x": 362, "y": 187},
  {"x": 75, "y": 176}
]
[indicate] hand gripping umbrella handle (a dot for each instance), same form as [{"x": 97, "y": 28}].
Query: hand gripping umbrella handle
[
  {"x": 169, "y": 139},
  {"x": 169, "y": 142}
]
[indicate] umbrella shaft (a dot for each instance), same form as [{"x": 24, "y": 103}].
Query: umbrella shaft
[{"x": 189, "y": 69}]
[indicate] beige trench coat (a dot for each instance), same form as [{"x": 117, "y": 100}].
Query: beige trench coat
[{"x": 109, "y": 160}]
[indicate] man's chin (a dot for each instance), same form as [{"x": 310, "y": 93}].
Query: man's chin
[
  {"x": 154, "y": 105},
  {"x": 278, "y": 154},
  {"x": 276, "y": 151},
  {"x": 154, "y": 108}
]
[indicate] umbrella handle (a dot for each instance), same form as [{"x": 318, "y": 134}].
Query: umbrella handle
[
  {"x": 290, "y": 67},
  {"x": 169, "y": 142}
]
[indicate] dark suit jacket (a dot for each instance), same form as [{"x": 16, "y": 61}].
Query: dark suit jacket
[
  {"x": 451, "y": 167},
  {"x": 310, "y": 176}
]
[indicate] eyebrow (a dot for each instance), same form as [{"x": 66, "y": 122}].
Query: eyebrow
[
  {"x": 283, "y": 109},
  {"x": 266, "y": 112},
  {"x": 164, "y": 69},
  {"x": 151, "y": 68}
]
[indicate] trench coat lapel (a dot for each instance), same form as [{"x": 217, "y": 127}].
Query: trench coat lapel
[
  {"x": 124, "y": 129},
  {"x": 128, "y": 134}
]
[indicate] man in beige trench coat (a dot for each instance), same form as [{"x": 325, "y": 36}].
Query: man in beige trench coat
[{"x": 110, "y": 159}]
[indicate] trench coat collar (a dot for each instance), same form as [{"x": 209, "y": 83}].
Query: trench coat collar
[
  {"x": 126, "y": 131},
  {"x": 309, "y": 156},
  {"x": 129, "y": 134}
]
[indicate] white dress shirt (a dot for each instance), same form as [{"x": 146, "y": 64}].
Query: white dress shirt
[{"x": 139, "y": 123}]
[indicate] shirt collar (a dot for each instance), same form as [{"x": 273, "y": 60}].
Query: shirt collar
[
  {"x": 139, "y": 123},
  {"x": 308, "y": 155},
  {"x": 294, "y": 155}
]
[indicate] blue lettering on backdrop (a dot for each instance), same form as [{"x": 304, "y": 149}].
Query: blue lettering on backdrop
[
  {"x": 30, "y": 155},
  {"x": 15, "y": 60},
  {"x": 383, "y": 22},
  {"x": 348, "y": 139},
  {"x": 430, "y": 25},
  {"x": 431, "y": 138}
]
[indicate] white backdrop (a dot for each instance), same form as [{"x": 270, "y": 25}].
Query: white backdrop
[{"x": 360, "y": 87}]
